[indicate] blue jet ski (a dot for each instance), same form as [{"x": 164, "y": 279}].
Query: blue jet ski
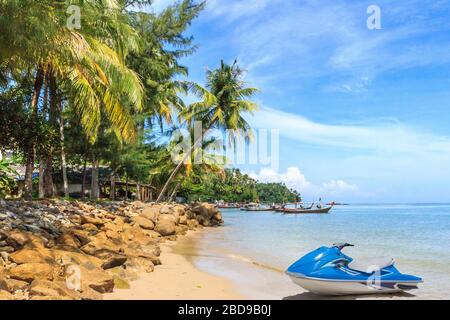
[{"x": 327, "y": 271}]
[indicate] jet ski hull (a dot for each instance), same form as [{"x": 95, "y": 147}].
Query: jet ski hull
[{"x": 339, "y": 287}]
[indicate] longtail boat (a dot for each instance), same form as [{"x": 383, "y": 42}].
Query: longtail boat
[
  {"x": 298, "y": 210},
  {"x": 259, "y": 209}
]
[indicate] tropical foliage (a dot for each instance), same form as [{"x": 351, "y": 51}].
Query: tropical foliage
[
  {"x": 94, "y": 103},
  {"x": 235, "y": 186}
]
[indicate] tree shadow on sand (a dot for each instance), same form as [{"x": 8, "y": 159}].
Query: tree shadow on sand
[{"x": 312, "y": 296}]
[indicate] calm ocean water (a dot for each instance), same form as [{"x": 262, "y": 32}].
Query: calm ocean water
[{"x": 416, "y": 235}]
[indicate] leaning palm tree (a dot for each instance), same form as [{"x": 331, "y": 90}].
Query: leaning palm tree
[{"x": 224, "y": 102}]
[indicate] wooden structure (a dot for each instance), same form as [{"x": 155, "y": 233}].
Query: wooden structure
[{"x": 142, "y": 192}]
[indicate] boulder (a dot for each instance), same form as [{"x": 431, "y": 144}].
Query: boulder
[
  {"x": 150, "y": 213},
  {"x": 68, "y": 240},
  {"x": 98, "y": 246},
  {"x": 183, "y": 220},
  {"x": 165, "y": 225},
  {"x": 192, "y": 223},
  {"x": 37, "y": 255},
  {"x": 90, "y": 294},
  {"x": 89, "y": 227},
  {"x": 115, "y": 260},
  {"x": 30, "y": 271},
  {"x": 92, "y": 220},
  {"x": 144, "y": 223},
  {"x": 116, "y": 227},
  {"x": 12, "y": 285},
  {"x": 7, "y": 249},
  {"x": 140, "y": 264},
  {"x": 96, "y": 279},
  {"x": 82, "y": 236},
  {"x": 18, "y": 240},
  {"x": 5, "y": 295},
  {"x": 52, "y": 288}
]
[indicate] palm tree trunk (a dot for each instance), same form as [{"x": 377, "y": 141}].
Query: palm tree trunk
[
  {"x": 175, "y": 190},
  {"x": 94, "y": 179},
  {"x": 63, "y": 152},
  {"x": 112, "y": 193},
  {"x": 178, "y": 167},
  {"x": 41, "y": 179},
  {"x": 52, "y": 120},
  {"x": 28, "y": 187},
  {"x": 126, "y": 186},
  {"x": 83, "y": 182},
  {"x": 48, "y": 177}
]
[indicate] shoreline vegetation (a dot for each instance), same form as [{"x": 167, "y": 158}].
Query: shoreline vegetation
[{"x": 58, "y": 250}]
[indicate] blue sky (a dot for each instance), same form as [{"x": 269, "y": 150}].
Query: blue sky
[{"x": 363, "y": 114}]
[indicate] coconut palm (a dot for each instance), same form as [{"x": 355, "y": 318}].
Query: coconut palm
[
  {"x": 89, "y": 63},
  {"x": 225, "y": 101}
]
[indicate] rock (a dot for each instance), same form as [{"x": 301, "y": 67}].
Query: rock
[
  {"x": 38, "y": 255},
  {"x": 192, "y": 223},
  {"x": 113, "y": 261},
  {"x": 4, "y": 256},
  {"x": 218, "y": 216},
  {"x": 140, "y": 265},
  {"x": 110, "y": 226},
  {"x": 39, "y": 290},
  {"x": 82, "y": 236},
  {"x": 5, "y": 295},
  {"x": 30, "y": 271},
  {"x": 89, "y": 227},
  {"x": 69, "y": 240},
  {"x": 183, "y": 220},
  {"x": 52, "y": 288},
  {"x": 18, "y": 240},
  {"x": 90, "y": 294},
  {"x": 7, "y": 249},
  {"x": 98, "y": 247},
  {"x": 120, "y": 283},
  {"x": 3, "y": 235},
  {"x": 144, "y": 223},
  {"x": 97, "y": 280},
  {"x": 165, "y": 225},
  {"x": 150, "y": 213},
  {"x": 92, "y": 220},
  {"x": 12, "y": 285},
  {"x": 165, "y": 210},
  {"x": 68, "y": 258}
]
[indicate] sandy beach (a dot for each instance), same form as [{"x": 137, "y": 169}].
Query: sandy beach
[
  {"x": 177, "y": 278},
  {"x": 180, "y": 277}
]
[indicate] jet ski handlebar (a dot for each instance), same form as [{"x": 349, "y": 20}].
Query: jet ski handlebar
[{"x": 342, "y": 245}]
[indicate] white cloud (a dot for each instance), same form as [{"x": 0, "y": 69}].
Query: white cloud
[
  {"x": 293, "y": 177},
  {"x": 388, "y": 138}
]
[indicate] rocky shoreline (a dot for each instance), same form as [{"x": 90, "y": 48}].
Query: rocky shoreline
[{"x": 58, "y": 250}]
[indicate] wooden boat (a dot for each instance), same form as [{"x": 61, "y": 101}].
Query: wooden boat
[
  {"x": 258, "y": 209},
  {"x": 298, "y": 210},
  {"x": 228, "y": 207}
]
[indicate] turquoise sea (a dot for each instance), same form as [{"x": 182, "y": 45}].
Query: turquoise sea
[{"x": 416, "y": 235}]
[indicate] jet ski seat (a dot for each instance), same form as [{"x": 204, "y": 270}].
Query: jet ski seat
[{"x": 371, "y": 265}]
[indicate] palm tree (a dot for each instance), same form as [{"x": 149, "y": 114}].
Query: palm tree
[
  {"x": 225, "y": 100},
  {"x": 88, "y": 63}
]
